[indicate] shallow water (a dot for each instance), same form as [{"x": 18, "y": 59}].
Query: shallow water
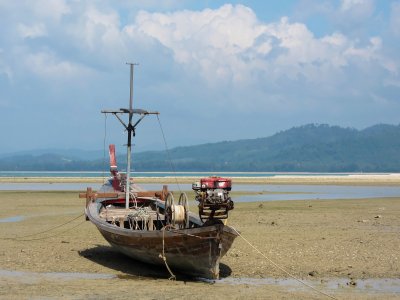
[
  {"x": 81, "y": 174},
  {"x": 44, "y": 186},
  {"x": 279, "y": 192},
  {"x": 315, "y": 192},
  {"x": 381, "y": 285},
  {"x": 12, "y": 219},
  {"x": 36, "y": 276},
  {"x": 377, "y": 285}
]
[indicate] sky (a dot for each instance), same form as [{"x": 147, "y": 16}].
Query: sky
[{"x": 215, "y": 70}]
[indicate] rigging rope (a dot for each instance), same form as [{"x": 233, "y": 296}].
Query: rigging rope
[
  {"x": 50, "y": 236},
  {"x": 169, "y": 155},
  {"x": 282, "y": 269},
  {"x": 44, "y": 231}
]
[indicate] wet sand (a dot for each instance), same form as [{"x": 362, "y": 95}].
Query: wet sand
[{"x": 341, "y": 241}]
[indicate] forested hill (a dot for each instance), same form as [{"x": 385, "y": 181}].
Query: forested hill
[
  {"x": 309, "y": 148},
  {"x": 312, "y": 148}
]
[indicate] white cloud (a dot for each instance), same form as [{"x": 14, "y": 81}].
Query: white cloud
[
  {"x": 395, "y": 18},
  {"x": 232, "y": 45},
  {"x": 367, "y": 53},
  {"x": 231, "y": 29},
  {"x": 47, "y": 65},
  {"x": 353, "y": 13},
  {"x": 54, "y": 9},
  {"x": 350, "y": 4},
  {"x": 96, "y": 35},
  {"x": 4, "y": 68},
  {"x": 101, "y": 29},
  {"x": 224, "y": 45},
  {"x": 225, "y": 58},
  {"x": 32, "y": 31}
]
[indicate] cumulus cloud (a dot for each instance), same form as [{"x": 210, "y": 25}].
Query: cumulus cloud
[
  {"x": 4, "y": 68},
  {"x": 206, "y": 37},
  {"x": 354, "y": 4},
  {"x": 49, "y": 66},
  {"x": 227, "y": 45},
  {"x": 356, "y": 10},
  {"x": 101, "y": 29},
  {"x": 207, "y": 58},
  {"x": 395, "y": 18},
  {"x": 32, "y": 31},
  {"x": 231, "y": 44},
  {"x": 54, "y": 9}
]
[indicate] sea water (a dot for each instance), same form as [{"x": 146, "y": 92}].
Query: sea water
[
  {"x": 83, "y": 174},
  {"x": 259, "y": 192}
]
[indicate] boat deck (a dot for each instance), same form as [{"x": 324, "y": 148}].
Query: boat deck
[
  {"x": 110, "y": 214},
  {"x": 136, "y": 218}
]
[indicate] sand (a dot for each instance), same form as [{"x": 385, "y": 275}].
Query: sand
[{"x": 338, "y": 246}]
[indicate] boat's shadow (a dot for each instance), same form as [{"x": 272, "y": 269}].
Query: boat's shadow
[{"x": 110, "y": 258}]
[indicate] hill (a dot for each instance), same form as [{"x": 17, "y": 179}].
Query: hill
[{"x": 308, "y": 148}]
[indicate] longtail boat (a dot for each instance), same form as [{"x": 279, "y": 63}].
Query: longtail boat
[{"x": 150, "y": 226}]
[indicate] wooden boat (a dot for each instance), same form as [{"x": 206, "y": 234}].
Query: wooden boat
[{"x": 150, "y": 227}]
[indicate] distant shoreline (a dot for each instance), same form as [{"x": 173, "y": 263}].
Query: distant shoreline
[{"x": 350, "y": 179}]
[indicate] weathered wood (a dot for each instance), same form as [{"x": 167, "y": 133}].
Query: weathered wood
[
  {"x": 93, "y": 195},
  {"x": 157, "y": 194},
  {"x": 196, "y": 251},
  {"x": 110, "y": 214}
]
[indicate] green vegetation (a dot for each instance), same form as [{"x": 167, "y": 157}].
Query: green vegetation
[{"x": 309, "y": 148}]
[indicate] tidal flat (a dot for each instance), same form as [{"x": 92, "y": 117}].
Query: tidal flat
[{"x": 346, "y": 248}]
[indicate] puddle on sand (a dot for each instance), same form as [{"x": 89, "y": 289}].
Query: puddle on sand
[
  {"x": 375, "y": 285},
  {"x": 34, "y": 277},
  {"x": 12, "y": 219}
]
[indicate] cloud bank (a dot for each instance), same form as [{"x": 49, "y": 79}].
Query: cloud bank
[{"x": 218, "y": 65}]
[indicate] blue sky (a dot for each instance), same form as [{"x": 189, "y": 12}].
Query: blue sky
[{"x": 215, "y": 70}]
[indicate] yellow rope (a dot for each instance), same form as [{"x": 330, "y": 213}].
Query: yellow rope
[
  {"x": 179, "y": 214},
  {"x": 282, "y": 269},
  {"x": 173, "y": 277}
]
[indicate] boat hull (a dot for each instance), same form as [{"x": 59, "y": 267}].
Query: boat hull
[{"x": 195, "y": 252}]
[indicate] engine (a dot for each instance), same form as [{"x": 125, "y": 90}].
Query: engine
[{"x": 212, "y": 193}]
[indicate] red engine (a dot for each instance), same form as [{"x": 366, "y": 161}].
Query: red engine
[
  {"x": 212, "y": 193},
  {"x": 215, "y": 183}
]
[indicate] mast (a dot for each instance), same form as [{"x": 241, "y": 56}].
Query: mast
[
  {"x": 130, "y": 128},
  {"x": 131, "y": 131}
]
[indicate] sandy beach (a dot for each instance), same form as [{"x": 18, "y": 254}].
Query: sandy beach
[{"x": 348, "y": 249}]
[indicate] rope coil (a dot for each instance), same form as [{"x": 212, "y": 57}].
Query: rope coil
[
  {"x": 178, "y": 214},
  {"x": 142, "y": 215}
]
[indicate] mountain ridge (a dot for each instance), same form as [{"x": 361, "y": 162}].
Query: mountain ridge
[{"x": 306, "y": 148}]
